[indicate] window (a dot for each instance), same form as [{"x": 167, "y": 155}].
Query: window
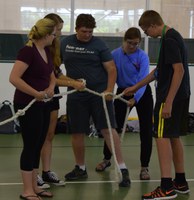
[{"x": 113, "y": 16}]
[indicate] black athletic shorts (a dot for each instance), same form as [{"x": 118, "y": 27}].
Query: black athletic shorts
[
  {"x": 80, "y": 112},
  {"x": 54, "y": 104},
  {"x": 174, "y": 126}
]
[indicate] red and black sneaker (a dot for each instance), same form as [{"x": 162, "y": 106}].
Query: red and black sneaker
[{"x": 159, "y": 194}]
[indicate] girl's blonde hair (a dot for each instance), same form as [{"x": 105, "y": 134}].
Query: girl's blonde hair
[
  {"x": 55, "y": 48},
  {"x": 42, "y": 28}
]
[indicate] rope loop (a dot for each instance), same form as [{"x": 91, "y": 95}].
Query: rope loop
[{"x": 21, "y": 112}]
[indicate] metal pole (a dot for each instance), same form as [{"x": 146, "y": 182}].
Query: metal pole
[
  {"x": 72, "y": 16},
  {"x": 146, "y": 37}
]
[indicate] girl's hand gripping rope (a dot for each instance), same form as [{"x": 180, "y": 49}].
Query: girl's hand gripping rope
[
  {"x": 80, "y": 84},
  {"x": 130, "y": 91}
]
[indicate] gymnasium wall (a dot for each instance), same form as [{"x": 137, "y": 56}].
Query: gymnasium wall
[{"x": 11, "y": 43}]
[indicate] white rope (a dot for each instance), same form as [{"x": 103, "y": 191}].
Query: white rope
[
  {"x": 119, "y": 96},
  {"x": 111, "y": 136},
  {"x": 18, "y": 113},
  {"x": 92, "y": 92},
  {"x": 22, "y": 112},
  {"x": 125, "y": 123}
]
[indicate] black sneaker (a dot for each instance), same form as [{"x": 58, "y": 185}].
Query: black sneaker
[
  {"x": 125, "y": 178},
  {"x": 51, "y": 177},
  {"x": 41, "y": 184},
  {"x": 182, "y": 188},
  {"x": 76, "y": 174},
  {"x": 160, "y": 194}
]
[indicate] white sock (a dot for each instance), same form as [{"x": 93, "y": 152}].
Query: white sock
[
  {"x": 83, "y": 167},
  {"x": 122, "y": 166}
]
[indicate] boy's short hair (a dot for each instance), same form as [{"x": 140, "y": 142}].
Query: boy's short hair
[
  {"x": 85, "y": 20},
  {"x": 150, "y": 17}
]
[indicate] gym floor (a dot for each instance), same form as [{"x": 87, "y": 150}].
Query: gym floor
[{"x": 98, "y": 186}]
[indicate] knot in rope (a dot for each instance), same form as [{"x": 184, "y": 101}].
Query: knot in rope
[{"x": 20, "y": 112}]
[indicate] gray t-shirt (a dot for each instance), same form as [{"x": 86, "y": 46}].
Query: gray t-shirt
[{"x": 83, "y": 60}]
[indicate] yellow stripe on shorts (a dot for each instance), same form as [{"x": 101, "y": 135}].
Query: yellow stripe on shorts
[{"x": 160, "y": 122}]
